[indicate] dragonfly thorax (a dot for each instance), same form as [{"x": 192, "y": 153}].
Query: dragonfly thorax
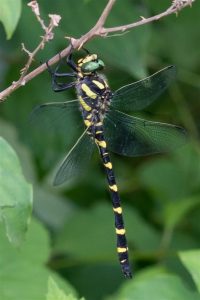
[{"x": 94, "y": 94}]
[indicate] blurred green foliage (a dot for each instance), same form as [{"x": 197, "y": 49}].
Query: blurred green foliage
[
  {"x": 16, "y": 195},
  {"x": 160, "y": 194},
  {"x": 9, "y": 15}
]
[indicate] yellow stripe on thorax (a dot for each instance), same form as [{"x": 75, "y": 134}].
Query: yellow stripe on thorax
[
  {"x": 99, "y": 84},
  {"x": 89, "y": 116},
  {"x": 84, "y": 104},
  {"x": 88, "y": 58},
  {"x": 88, "y": 91},
  {"x": 88, "y": 123}
]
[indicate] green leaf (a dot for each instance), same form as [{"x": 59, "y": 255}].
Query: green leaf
[
  {"x": 51, "y": 208},
  {"x": 10, "y": 11},
  {"x": 16, "y": 195},
  {"x": 86, "y": 237},
  {"x": 23, "y": 272},
  {"x": 133, "y": 57},
  {"x": 55, "y": 293},
  {"x": 130, "y": 59},
  {"x": 149, "y": 272},
  {"x": 140, "y": 233},
  {"x": 163, "y": 286},
  {"x": 174, "y": 212},
  {"x": 187, "y": 22},
  {"x": 83, "y": 234},
  {"x": 164, "y": 179},
  {"x": 191, "y": 260},
  {"x": 10, "y": 134},
  {"x": 169, "y": 177}
]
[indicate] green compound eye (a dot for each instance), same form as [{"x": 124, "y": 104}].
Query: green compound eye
[{"x": 92, "y": 66}]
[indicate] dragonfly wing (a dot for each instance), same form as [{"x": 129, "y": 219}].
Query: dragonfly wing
[
  {"x": 54, "y": 126},
  {"x": 140, "y": 94},
  {"x": 54, "y": 114},
  {"x": 77, "y": 160},
  {"x": 55, "y": 122},
  {"x": 131, "y": 136}
]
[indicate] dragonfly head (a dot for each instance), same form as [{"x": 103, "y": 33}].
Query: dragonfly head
[{"x": 90, "y": 64}]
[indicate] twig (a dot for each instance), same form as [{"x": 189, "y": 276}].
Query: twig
[
  {"x": 98, "y": 30},
  {"x": 54, "y": 21},
  {"x": 46, "y": 38},
  {"x": 176, "y": 6}
]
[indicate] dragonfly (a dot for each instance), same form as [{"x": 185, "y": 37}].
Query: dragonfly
[{"x": 109, "y": 126}]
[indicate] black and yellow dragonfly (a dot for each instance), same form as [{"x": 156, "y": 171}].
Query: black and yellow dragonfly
[{"x": 109, "y": 126}]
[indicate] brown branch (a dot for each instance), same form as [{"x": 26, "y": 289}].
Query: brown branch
[
  {"x": 46, "y": 38},
  {"x": 105, "y": 14},
  {"x": 97, "y": 30},
  {"x": 54, "y": 21},
  {"x": 176, "y": 6}
]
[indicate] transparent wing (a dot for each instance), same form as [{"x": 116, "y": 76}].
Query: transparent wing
[
  {"x": 77, "y": 160},
  {"x": 53, "y": 128},
  {"x": 138, "y": 95},
  {"x": 54, "y": 114},
  {"x": 130, "y": 136}
]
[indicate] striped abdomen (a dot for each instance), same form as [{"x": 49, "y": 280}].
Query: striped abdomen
[
  {"x": 94, "y": 96},
  {"x": 122, "y": 247}
]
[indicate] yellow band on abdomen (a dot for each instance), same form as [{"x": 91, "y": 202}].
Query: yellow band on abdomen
[
  {"x": 101, "y": 143},
  {"x": 108, "y": 165},
  {"x": 120, "y": 231},
  {"x": 118, "y": 210},
  {"x": 121, "y": 250},
  {"x": 113, "y": 187}
]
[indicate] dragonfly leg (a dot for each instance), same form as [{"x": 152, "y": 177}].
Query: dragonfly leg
[
  {"x": 57, "y": 86},
  {"x": 86, "y": 50},
  {"x": 58, "y": 74},
  {"x": 71, "y": 62}
]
